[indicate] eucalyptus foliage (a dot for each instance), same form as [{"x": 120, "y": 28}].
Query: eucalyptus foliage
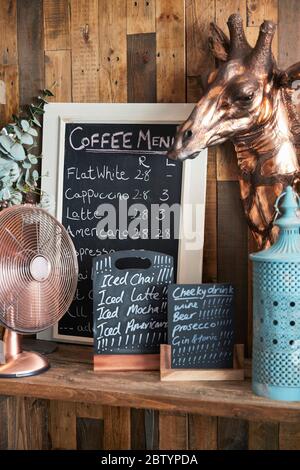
[{"x": 19, "y": 175}]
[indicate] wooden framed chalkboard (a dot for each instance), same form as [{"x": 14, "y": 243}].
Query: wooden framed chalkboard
[
  {"x": 130, "y": 309},
  {"x": 104, "y": 157},
  {"x": 201, "y": 334}
]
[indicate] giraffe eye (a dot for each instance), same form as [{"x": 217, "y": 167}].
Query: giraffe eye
[{"x": 246, "y": 98}]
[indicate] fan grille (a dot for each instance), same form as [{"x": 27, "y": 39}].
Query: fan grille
[{"x": 38, "y": 269}]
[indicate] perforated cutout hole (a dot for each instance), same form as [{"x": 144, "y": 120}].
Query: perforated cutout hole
[
  {"x": 275, "y": 303},
  {"x": 275, "y": 341},
  {"x": 291, "y": 342},
  {"x": 292, "y": 304},
  {"x": 292, "y": 323},
  {"x": 275, "y": 322}
]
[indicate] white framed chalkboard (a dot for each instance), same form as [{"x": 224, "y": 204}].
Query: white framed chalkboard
[{"x": 95, "y": 154}]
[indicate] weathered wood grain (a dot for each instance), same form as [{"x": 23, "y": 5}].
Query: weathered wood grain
[
  {"x": 58, "y": 75},
  {"x": 116, "y": 428},
  {"x": 4, "y": 423},
  {"x": 89, "y": 434},
  {"x": 62, "y": 425},
  {"x": 232, "y": 434},
  {"x": 85, "y": 50},
  {"x": 199, "y": 60},
  {"x": 140, "y": 16},
  {"x": 57, "y": 25},
  {"x": 173, "y": 432},
  {"x": 8, "y": 36},
  {"x": 263, "y": 436},
  {"x": 9, "y": 77},
  {"x": 233, "y": 251},
  {"x": 289, "y": 32},
  {"x": 74, "y": 381},
  {"x": 27, "y": 424},
  {"x": 225, "y": 8},
  {"x": 30, "y": 49},
  {"x": 170, "y": 51},
  {"x": 112, "y": 50},
  {"x": 203, "y": 432},
  {"x": 138, "y": 429},
  {"x": 141, "y": 59},
  {"x": 87, "y": 410},
  {"x": 289, "y": 436}
]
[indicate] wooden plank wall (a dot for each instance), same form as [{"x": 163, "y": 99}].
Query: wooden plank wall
[{"x": 142, "y": 51}]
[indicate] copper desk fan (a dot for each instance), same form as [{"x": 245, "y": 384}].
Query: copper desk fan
[{"x": 38, "y": 279}]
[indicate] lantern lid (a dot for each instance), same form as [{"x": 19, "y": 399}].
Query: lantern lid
[{"x": 287, "y": 246}]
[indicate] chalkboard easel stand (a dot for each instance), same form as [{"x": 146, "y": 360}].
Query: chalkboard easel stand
[{"x": 169, "y": 374}]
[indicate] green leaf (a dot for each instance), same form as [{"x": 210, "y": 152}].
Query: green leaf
[
  {"x": 35, "y": 175},
  {"x": 17, "y": 152},
  {"x": 42, "y": 100},
  {"x": 26, "y": 165},
  {"x": 36, "y": 109},
  {"x": 25, "y": 125},
  {"x": 47, "y": 92},
  {"x": 6, "y": 142},
  {"x": 36, "y": 122},
  {"x": 33, "y": 132},
  {"x": 17, "y": 131},
  {"x": 32, "y": 158},
  {"x": 16, "y": 197},
  {"x": 26, "y": 139},
  {"x": 20, "y": 182}
]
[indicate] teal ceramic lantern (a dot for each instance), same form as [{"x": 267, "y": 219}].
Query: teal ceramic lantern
[{"x": 276, "y": 308}]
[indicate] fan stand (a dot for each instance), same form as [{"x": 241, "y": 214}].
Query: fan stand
[{"x": 20, "y": 363}]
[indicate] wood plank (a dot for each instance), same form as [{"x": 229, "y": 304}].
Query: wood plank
[
  {"x": 58, "y": 75},
  {"x": 9, "y": 76},
  {"x": 173, "y": 431},
  {"x": 89, "y": 434},
  {"x": 199, "y": 60},
  {"x": 8, "y": 28},
  {"x": 87, "y": 410},
  {"x": 62, "y": 426},
  {"x": 75, "y": 381},
  {"x": 263, "y": 436},
  {"x": 210, "y": 252},
  {"x": 141, "y": 60},
  {"x": 138, "y": 430},
  {"x": 113, "y": 54},
  {"x": 30, "y": 49},
  {"x": 257, "y": 12},
  {"x": 225, "y": 9},
  {"x": 232, "y": 434},
  {"x": 203, "y": 432},
  {"x": 233, "y": 251},
  {"x": 289, "y": 436},
  {"x": 4, "y": 423},
  {"x": 27, "y": 424},
  {"x": 56, "y": 25},
  {"x": 288, "y": 32},
  {"x": 170, "y": 46},
  {"x": 85, "y": 50},
  {"x": 116, "y": 428},
  {"x": 227, "y": 168},
  {"x": 140, "y": 16}
]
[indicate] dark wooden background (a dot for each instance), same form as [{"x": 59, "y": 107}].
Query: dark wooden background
[{"x": 146, "y": 51}]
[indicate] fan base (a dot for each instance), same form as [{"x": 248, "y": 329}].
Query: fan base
[{"x": 24, "y": 364}]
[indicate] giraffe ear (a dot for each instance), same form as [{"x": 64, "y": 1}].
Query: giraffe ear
[
  {"x": 288, "y": 77},
  {"x": 218, "y": 43}
]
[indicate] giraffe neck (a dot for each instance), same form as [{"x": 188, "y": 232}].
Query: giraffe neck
[{"x": 269, "y": 148}]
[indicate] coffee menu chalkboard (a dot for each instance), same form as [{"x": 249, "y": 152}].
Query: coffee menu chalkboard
[
  {"x": 116, "y": 165},
  {"x": 200, "y": 326},
  {"x": 130, "y": 302}
]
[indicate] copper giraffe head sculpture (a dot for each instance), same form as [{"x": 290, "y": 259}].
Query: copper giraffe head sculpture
[{"x": 248, "y": 100}]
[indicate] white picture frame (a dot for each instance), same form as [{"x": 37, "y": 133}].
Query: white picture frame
[{"x": 57, "y": 115}]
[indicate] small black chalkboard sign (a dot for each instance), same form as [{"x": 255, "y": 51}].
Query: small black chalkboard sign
[
  {"x": 201, "y": 332},
  {"x": 130, "y": 302}
]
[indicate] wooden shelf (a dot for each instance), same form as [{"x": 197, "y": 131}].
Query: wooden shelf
[{"x": 71, "y": 378}]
